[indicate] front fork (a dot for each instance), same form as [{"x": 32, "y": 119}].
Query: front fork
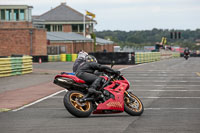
[{"x": 129, "y": 96}]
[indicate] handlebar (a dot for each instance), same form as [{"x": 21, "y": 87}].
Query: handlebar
[{"x": 112, "y": 77}]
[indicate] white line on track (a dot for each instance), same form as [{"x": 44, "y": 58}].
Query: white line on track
[
  {"x": 171, "y": 108},
  {"x": 167, "y": 90},
  {"x": 168, "y": 86},
  {"x": 25, "y": 106},
  {"x": 176, "y": 87},
  {"x": 170, "y": 97},
  {"x": 163, "y": 86},
  {"x": 162, "y": 81}
]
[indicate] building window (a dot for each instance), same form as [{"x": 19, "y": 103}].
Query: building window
[
  {"x": 80, "y": 27},
  {"x": 22, "y": 14},
  {"x": 48, "y": 27},
  {"x": 16, "y": 14},
  {"x": 74, "y": 28},
  {"x": 77, "y": 27},
  {"x": 54, "y": 28},
  {"x": 12, "y": 14},
  {"x": 8, "y": 14},
  {"x": 59, "y": 27},
  {"x": 3, "y": 14}
]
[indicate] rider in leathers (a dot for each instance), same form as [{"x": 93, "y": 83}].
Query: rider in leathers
[
  {"x": 86, "y": 72},
  {"x": 186, "y": 51}
]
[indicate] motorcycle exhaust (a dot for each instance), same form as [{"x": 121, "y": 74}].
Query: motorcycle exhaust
[{"x": 68, "y": 83}]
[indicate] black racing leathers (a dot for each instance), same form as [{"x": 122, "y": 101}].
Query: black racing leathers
[
  {"x": 186, "y": 52},
  {"x": 90, "y": 67},
  {"x": 87, "y": 70}
]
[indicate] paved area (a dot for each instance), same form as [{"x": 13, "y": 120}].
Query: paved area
[{"x": 169, "y": 89}]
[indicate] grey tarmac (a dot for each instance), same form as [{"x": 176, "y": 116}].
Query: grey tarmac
[{"x": 171, "y": 105}]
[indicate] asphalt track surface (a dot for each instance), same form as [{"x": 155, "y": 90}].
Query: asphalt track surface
[{"x": 169, "y": 90}]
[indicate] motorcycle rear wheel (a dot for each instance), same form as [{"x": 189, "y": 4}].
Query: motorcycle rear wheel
[
  {"x": 72, "y": 104},
  {"x": 134, "y": 108}
]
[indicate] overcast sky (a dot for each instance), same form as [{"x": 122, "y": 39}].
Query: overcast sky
[{"x": 128, "y": 14}]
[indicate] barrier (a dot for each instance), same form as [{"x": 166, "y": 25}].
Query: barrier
[
  {"x": 68, "y": 57},
  {"x": 43, "y": 58},
  {"x": 191, "y": 55},
  {"x": 132, "y": 58},
  {"x": 27, "y": 66},
  {"x": 176, "y": 55},
  {"x": 5, "y": 67},
  {"x": 117, "y": 57},
  {"x": 167, "y": 54},
  {"x": 145, "y": 57},
  {"x": 54, "y": 58},
  {"x": 63, "y": 57},
  {"x": 15, "y": 66},
  {"x": 74, "y": 57}
]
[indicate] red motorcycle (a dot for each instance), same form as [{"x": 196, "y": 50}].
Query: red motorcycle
[{"x": 115, "y": 97}]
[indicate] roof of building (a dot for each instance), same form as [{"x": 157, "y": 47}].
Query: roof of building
[
  {"x": 62, "y": 13},
  {"x": 101, "y": 41},
  {"x": 15, "y": 6},
  {"x": 66, "y": 36}
]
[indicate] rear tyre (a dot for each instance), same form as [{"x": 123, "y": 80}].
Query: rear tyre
[
  {"x": 134, "y": 108},
  {"x": 72, "y": 104}
]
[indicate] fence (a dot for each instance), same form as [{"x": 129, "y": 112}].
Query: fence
[{"x": 11, "y": 66}]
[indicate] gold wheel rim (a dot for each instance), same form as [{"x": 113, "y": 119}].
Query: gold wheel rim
[
  {"x": 74, "y": 97},
  {"x": 135, "y": 106}
]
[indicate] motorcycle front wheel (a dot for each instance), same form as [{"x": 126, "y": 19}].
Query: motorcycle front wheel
[
  {"x": 132, "y": 105},
  {"x": 72, "y": 104}
]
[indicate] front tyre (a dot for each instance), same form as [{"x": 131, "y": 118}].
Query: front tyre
[
  {"x": 72, "y": 104},
  {"x": 132, "y": 104}
]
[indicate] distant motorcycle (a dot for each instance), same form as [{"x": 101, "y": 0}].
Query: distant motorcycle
[
  {"x": 186, "y": 56},
  {"x": 115, "y": 97}
]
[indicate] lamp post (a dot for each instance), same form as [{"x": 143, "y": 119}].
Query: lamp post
[{"x": 84, "y": 25}]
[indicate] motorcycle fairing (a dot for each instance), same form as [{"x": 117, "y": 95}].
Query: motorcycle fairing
[
  {"x": 116, "y": 104},
  {"x": 125, "y": 81}
]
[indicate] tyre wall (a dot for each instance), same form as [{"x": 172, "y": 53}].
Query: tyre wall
[
  {"x": 145, "y": 57},
  {"x": 11, "y": 66}
]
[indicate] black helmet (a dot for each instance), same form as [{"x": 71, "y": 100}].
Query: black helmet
[{"x": 90, "y": 58}]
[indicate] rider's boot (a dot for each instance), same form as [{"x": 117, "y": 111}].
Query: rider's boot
[{"x": 96, "y": 84}]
